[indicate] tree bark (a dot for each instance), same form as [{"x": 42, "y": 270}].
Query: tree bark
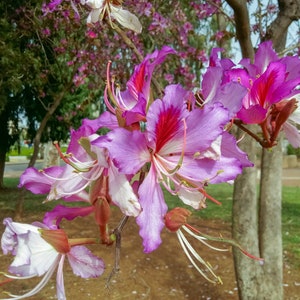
[
  {"x": 270, "y": 223},
  {"x": 245, "y": 225},
  {"x": 289, "y": 11},
  {"x": 4, "y": 145},
  {"x": 270, "y": 233},
  {"x": 261, "y": 282}
]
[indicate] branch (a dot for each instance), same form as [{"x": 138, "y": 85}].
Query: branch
[
  {"x": 239, "y": 124},
  {"x": 222, "y": 11},
  {"x": 242, "y": 25},
  {"x": 289, "y": 11}
]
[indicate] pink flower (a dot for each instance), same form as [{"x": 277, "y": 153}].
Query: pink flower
[
  {"x": 40, "y": 251},
  {"x": 185, "y": 150},
  {"x": 272, "y": 85},
  {"x": 131, "y": 104}
]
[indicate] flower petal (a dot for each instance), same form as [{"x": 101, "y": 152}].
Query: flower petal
[
  {"x": 60, "y": 211},
  {"x": 122, "y": 193},
  {"x": 151, "y": 219},
  {"x": 128, "y": 149},
  {"x": 84, "y": 263},
  {"x": 36, "y": 181},
  {"x": 126, "y": 18}
]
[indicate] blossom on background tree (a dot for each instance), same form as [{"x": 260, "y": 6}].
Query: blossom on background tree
[{"x": 112, "y": 10}]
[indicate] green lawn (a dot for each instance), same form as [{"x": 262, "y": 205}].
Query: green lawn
[{"x": 24, "y": 151}]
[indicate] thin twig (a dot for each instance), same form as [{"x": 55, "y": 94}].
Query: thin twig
[
  {"x": 117, "y": 232},
  {"x": 239, "y": 124}
]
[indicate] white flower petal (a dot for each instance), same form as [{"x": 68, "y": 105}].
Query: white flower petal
[
  {"x": 126, "y": 18},
  {"x": 122, "y": 193}
]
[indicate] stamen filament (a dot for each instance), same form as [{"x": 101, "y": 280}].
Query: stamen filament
[
  {"x": 221, "y": 239},
  {"x": 187, "y": 248}
]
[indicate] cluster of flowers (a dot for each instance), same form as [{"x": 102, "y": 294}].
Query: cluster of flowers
[{"x": 179, "y": 142}]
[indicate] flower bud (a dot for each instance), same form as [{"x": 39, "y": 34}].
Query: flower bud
[{"x": 176, "y": 217}]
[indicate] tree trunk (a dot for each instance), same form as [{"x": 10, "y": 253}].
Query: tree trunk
[
  {"x": 245, "y": 225},
  {"x": 5, "y": 143},
  {"x": 2, "y": 167},
  {"x": 36, "y": 144},
  {"x": 270, "y": 223}
]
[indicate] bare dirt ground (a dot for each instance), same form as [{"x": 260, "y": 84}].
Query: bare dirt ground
[{"x": 164, "y": 274}]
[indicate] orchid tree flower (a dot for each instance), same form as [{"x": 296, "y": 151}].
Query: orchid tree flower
[
  {"x": 39, "y": 251},
  {"x": 184, "y": 150},
  {"x": 176, "y": 221},
  {"x": 273, "y": 89},
  {"x": 215, "y": 88},
  {"x": 88, "y": 176},
  {"x": 130, "y": 106},
  {"x": 84, "y": 164},
  {"x": 114, "y": 11}
]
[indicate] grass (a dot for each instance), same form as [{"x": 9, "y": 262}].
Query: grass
[
  {"x": 222, "y": 192},
  {"x": 24, "y": 151}
]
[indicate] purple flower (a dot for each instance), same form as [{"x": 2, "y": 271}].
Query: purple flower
[
  {"x": 272, "y": 85},
  {"x": 185, "y": 151},
  {"x": 133, "y": 102}
]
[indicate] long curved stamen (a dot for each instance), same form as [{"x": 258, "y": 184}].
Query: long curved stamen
[
  {"x": 75, "y": 174},
  {"x": 221, "y": 239},
  {"x": 40, "y": 285},
  {"x": 188, "y": 250},
  {"x": 111, "y": 95},
  {"x": 75, "y": 163},
  {"x": 201, "y": 238},
  {"x": 62, "y": 156},
  {"x": 203, "y": 192},
  {"x": 16, "y": 277},
  {"x": 70, "y": 193},
  {"x": 107, "y": 103},
  {"x": 72, "y": 175}
]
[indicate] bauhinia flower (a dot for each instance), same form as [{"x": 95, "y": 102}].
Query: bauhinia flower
[
  {"x": 272, "y": 84},
  {"x": 88, "y": 176},
  {"x": 39, "y": 251},
  {"x": 176, "y": 221},
  {"x": 184, "y": 150},
  {"x": 130, "y": 106},
  {"x": 112, "y": 9},
  {"x": 84, "y": 164}
]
